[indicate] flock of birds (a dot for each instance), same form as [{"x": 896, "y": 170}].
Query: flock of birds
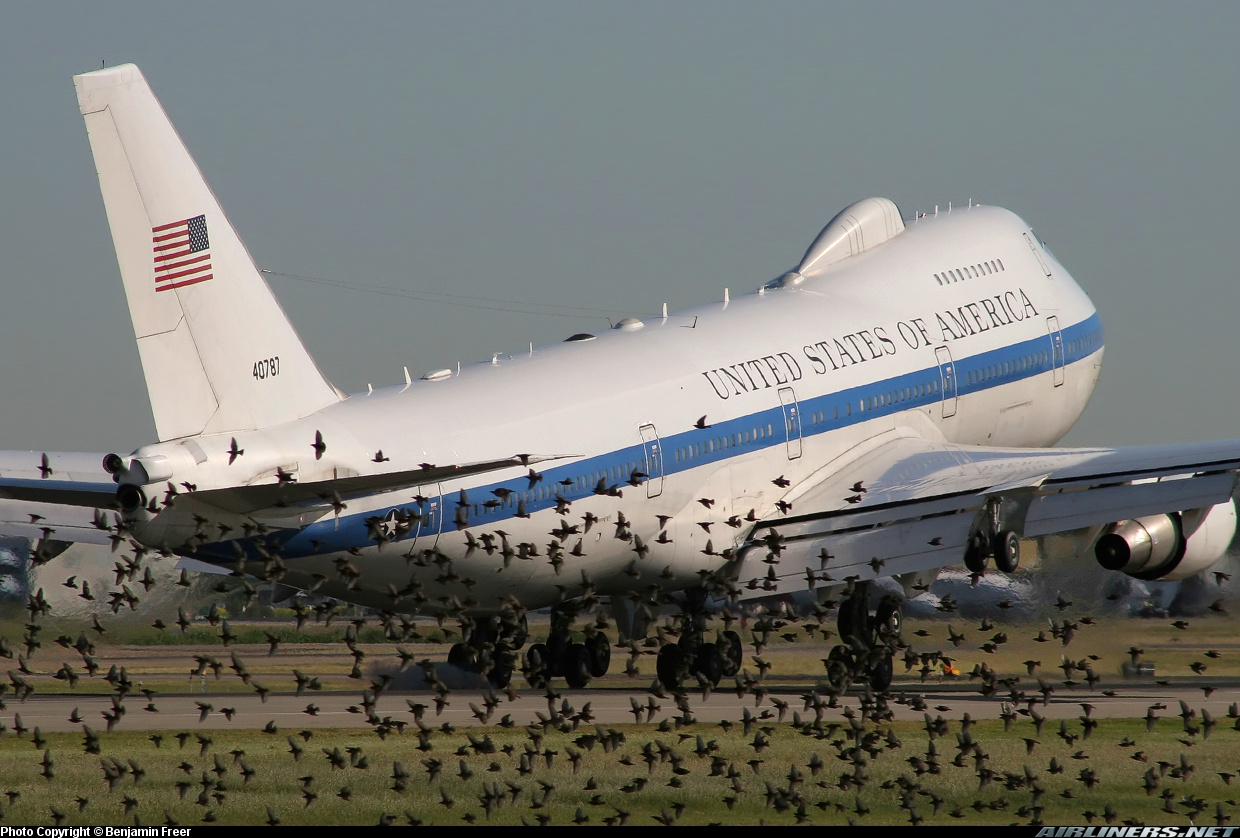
[
  {"x": 470, "y": 775},
  {"x": 464, "y": 775}
]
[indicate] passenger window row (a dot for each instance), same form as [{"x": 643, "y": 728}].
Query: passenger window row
[
  {"x": 990, "y": 371},
  {"x": 900, "y": 394},
  {"x": 1087, "y": 341},
  {"x": 710, "y": 446},
  {"x": 981, "y": 269}
]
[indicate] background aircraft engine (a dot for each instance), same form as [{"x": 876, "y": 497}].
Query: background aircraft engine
[{"x": 1155, "y": 548}]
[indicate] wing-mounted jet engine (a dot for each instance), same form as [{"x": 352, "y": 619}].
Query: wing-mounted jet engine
[{"x": 1168, "y": 548}]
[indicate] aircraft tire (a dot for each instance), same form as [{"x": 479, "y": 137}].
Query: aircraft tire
[
  {"x": 537, "y": 659},
  {"x": 1007, "y": 551},
  {"x": 844, "y": 621},
  {"x": 577, "y": 666},
  {"x": 670, "y": 666},
  {"x": 708, "y": 663},
  {"x": 854, "y": 622},
  {"x": 732, "y": 651},
  {"x": 599, "y": 648},
  {"x": 459, "y": 656},
  {"x": 500, "y": 673},
  {"x": 882, "y": 672},
  {"x": 522, "y": 633},
  {"x": 889, "y": 619},
  {"x": 839, "y": 668},
  {"x": 975, "y": 557}
]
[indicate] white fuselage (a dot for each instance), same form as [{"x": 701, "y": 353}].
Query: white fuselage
[{"x": 961, "y": 327}]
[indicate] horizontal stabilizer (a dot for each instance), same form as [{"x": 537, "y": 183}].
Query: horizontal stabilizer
[
  {"x": 63, "y": 492},
  {"x": 70, "y": 479},
  {"x": 56, "y": 522}
]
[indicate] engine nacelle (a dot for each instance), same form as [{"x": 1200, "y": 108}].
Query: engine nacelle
[{"x": 1156, "y": 548}]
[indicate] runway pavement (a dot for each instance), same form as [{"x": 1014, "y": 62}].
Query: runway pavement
[{"x": 609, "y": 706}]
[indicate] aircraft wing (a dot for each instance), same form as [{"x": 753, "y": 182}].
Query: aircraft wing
[
  {"x": 67, "y": 493},
  {"x": 901, "y": 504},
  {"x": 253, "y": 499}
]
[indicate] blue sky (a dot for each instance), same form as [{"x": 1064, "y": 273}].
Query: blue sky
[{"x": 552, "y": 164}]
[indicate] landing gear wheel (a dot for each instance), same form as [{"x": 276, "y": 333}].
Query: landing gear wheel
[
  {"x": 522, "y": 633},
  {"x": 537, "y": 665},
  {"x": 975, "y": 557},
  {"x": 732, "y": 652},
  {"x": 500, "y": 674},
  {"x": 882, "y": 671},
  {"x": 839, "y": 668},
  {"x": 460, "y": 656},
  {"x": 599, "y": 648},
  {"x": 670, "y": 666},
  {"x": 708, "y": 663},
  {"x": 889, "y": 619},
  {"x": 577, "y": 666},
  {"x": 845, "y": 622},
  {"x": 1007, "y": 551}
]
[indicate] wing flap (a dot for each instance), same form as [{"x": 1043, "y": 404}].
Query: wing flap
[
  {"x": 1105, "y": 505},
  {"x": 831, "y": 558},
  {"x": 248, "y": 500}
]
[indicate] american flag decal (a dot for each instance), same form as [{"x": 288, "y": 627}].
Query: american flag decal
[{"x": 182, "y": 255}]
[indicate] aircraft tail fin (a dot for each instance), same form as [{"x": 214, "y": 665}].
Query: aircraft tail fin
[{"x": 217, "y": 350}]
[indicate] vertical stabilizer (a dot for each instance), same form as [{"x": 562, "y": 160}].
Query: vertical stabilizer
[{"x": 218, "y": 352}]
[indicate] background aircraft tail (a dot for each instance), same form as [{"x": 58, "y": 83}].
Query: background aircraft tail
[{"x": 218, "y": 352}]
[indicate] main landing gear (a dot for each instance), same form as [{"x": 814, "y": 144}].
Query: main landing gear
[
  {"x": 490, "y": 648},
  {"x": 692, "y": 655},
  {"x": 577, "y": 663},
  {"x": 869, "y": 641},
  {"x": 990, "y": 539}
]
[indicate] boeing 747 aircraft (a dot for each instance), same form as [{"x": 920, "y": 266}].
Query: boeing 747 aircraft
[{"x": 883, "y": 409}]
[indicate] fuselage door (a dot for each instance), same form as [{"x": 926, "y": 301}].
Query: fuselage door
[
  {"x": 1037, "y": 253},
  {"x": 947, "y": 374},
  {"x": 792, "y": 421},
  {"x": 427, "y": 518},
  {"x": 654, "y": 460},
  {"x": 1052, "y": 326}
]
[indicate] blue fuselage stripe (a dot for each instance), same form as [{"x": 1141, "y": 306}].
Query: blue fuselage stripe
[{"x": 727, "y": 439}]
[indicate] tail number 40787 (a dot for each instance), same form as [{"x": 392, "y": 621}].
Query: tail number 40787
[{"x": 267, "y": 368}]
